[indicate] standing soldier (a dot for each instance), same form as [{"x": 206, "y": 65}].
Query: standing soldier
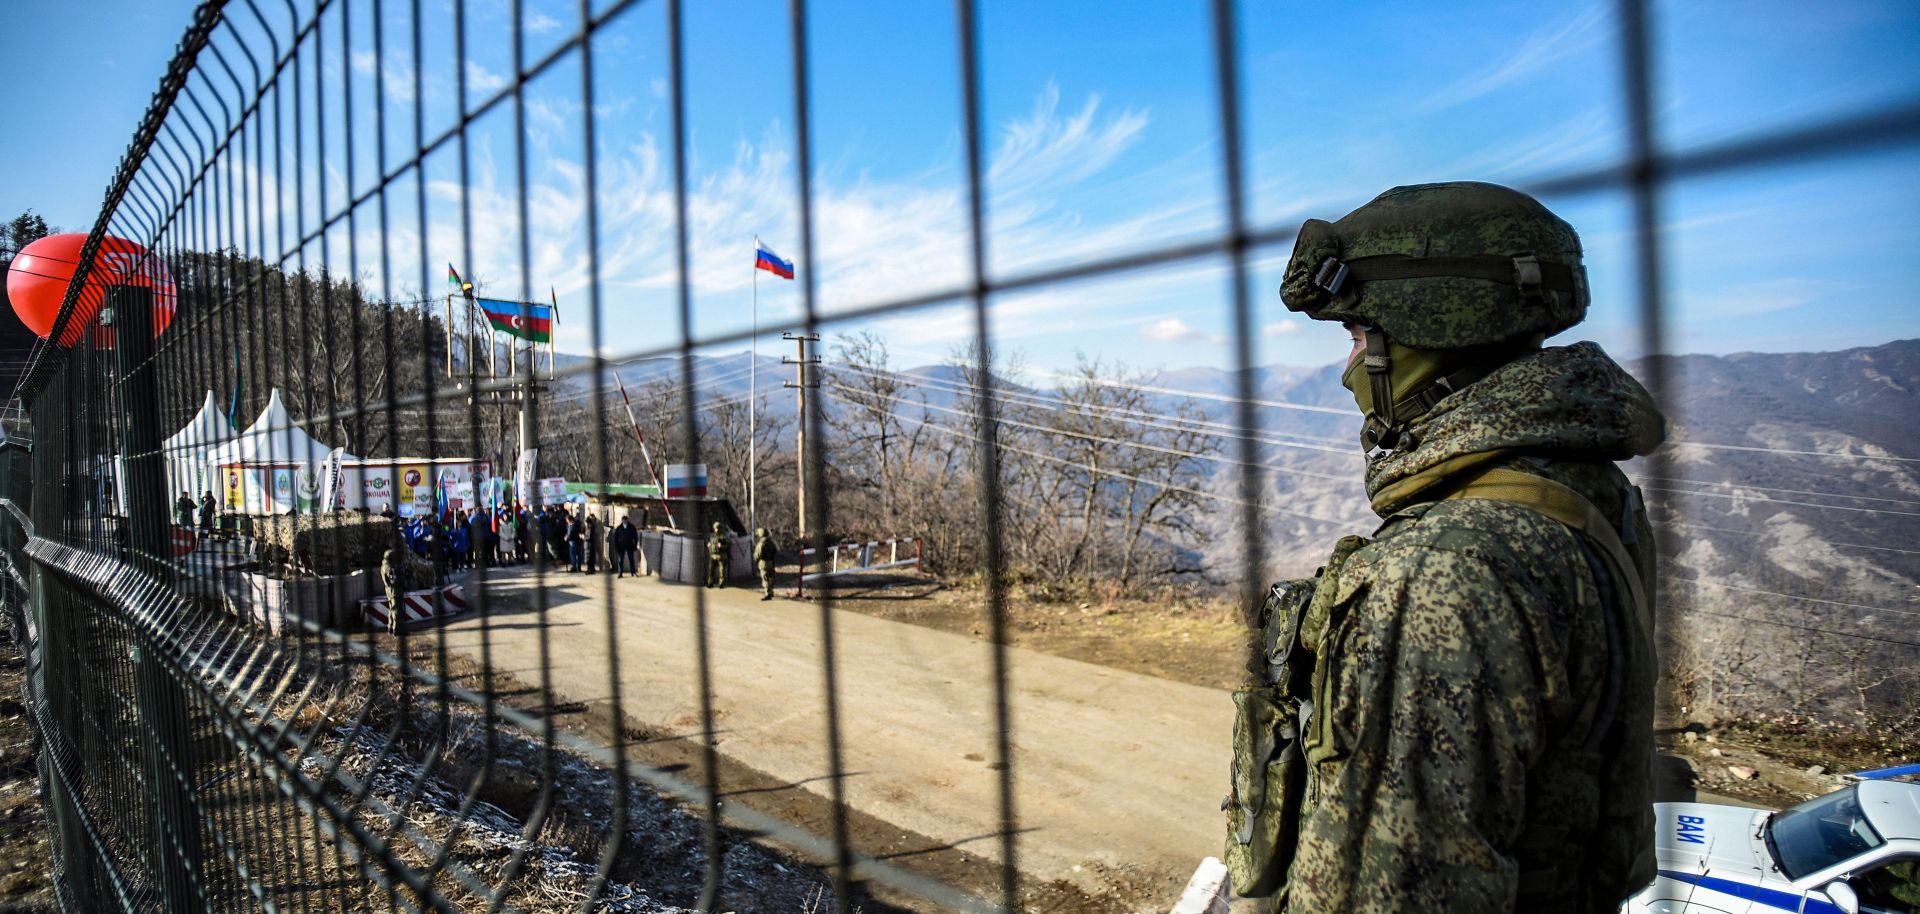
[
  {"x": 393, "y": 573},
  {"x": 717, "y": 557},
  {"x": 556, "y": 526},
  {"x": 764, "y": 553},
  {"x": 183, "y": 509},
  {"x": 1474, "y": 687},
  {"x": 595, "y": 541}
]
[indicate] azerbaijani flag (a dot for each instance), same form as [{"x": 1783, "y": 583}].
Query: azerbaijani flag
[
  {"x": 453, "y": 277},
  {"x": 525, "y": 320},
  {"x": 764, "y": 259}
]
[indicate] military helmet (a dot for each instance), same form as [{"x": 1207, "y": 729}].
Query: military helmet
[{"x": 1442, "y": 266}]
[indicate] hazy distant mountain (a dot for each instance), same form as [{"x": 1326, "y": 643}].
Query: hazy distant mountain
[{"x": 1791, "y": 492}]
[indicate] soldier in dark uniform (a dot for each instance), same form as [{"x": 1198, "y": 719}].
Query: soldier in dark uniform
[
  {"x": 764, "y": 554},
  {"x": 717, "y": 557},
  {"x": 183, "y": 509},
  {"x": 596, "y": 541}
]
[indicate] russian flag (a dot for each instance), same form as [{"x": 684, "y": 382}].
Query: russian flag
[{"x": 764, "y": 259}]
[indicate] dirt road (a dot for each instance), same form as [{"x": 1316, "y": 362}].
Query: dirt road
[{"x": 1113, "y": 770}]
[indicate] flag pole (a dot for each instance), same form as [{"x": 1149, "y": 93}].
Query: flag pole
[
  {"x": 493, "y": 350},
  {"x": 449, "y": 334},
  {"x": 753, "y": 394},
  {"x": 555, "y": 297}
]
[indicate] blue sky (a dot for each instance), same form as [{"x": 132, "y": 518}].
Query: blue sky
[{"x": 1103, "y": 139}]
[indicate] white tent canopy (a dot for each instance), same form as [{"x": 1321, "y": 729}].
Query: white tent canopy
[
  {"x": 208, "y": 429},
  {"x": 271, "y": 439},
  {"x": 189, "y": 447}
]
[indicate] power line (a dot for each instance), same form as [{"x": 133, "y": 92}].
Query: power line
[
  {"x": 1185, "y": 423},
  {"x": 673, "y": 387},
  {"x": 1695, "y": 611},
  {"x": 1178, "y": 428},
  {"x": 1782, "y": 450},
  {"x": 1735, "y": 496},
  {"x": 1214, "y": 458},
  {"x": 971, "y": 388},
  {"x": 1673, "y": 495},
  {"x": 1128, "y": 476},
  {"x": 1194, "y": 394},
  {"x": 1752, "y": 533},
  {"x": 1743, "y": 485},
  {"x": 1789, "y": 596}
]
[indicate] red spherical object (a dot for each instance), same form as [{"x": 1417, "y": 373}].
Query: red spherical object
[{"x": 38, "y": 279}]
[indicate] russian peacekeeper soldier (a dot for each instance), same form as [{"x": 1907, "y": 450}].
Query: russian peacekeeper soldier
[
  {"x": 1457, "y": 714},
  {"x": 717, "y": 557},
  {"x": 764, "y": 555},
  {"x": 393, "y": 577}
]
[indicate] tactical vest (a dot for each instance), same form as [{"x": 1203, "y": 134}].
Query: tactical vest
[{"x": 1276, "y": 710}]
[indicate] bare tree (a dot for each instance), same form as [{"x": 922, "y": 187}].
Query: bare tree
[{"x": 878, "y": 429}]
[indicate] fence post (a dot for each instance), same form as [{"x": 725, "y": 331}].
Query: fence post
[
  {"x": 63, "y": 770},
  {"x": 165, "y": 727}
]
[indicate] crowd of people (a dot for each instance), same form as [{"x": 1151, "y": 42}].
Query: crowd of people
[
  {"x": 572, "y": 537},
  {"x": 569, "y": 536}
]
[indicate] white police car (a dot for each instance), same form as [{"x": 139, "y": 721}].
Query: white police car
[{"x": 1854, "y": 850}]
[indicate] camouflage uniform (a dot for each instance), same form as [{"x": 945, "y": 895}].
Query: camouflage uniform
[
  {"x": 393, "y": 577},
  {"x": 717, "y": 557},
  {"x": 764, "y": 554},
  {"x": 1481, "y": 733}
]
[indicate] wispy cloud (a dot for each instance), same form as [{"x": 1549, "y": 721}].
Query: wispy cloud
[
  {"x": 540, "y": 23},
  {"x": 396, "y": 72},
  {"x": 1043, "y": 147},
  {"x": 874, "y": 239},
  {"x": 1531, "y": 55},
  {"x": 1582, "y": 137},
  {"x": 481, "y": 79},
  {"x": 1762, "y": 297}
]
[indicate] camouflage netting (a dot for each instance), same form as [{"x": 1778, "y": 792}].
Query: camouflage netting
[
  {"x": 322, "y": 544},
  {"x": 416, "y": 573}
]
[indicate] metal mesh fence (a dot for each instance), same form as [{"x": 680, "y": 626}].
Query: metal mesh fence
[{"x": 224, "y": 730}]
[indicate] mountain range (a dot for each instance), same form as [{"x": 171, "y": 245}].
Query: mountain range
[{"x": 1790, "y": 484}]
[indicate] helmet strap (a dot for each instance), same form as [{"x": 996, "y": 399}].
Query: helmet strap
[
  {"x": 1379, "y": 432},
  {"x": 1384, "y": 429}
]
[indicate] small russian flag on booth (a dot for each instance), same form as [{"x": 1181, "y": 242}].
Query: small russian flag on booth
[{"x": 764, "y": 259}]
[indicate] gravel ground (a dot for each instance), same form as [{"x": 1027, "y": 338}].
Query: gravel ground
[{"x": 26, "y": 881}]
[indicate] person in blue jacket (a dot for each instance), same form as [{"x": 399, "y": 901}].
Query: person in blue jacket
[{"x": 462, "y": 542}]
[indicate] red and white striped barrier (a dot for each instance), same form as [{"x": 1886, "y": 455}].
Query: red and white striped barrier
[{"x": 416, "y": 608}]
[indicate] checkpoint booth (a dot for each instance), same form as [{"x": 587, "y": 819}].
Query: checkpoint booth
[{"x": 673, "y": 530}]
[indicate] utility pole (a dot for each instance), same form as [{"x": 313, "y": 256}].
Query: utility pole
[{"x": 801, "y": 384}]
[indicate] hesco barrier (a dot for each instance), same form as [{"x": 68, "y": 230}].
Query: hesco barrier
[{"x": 194, "y": 759}]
